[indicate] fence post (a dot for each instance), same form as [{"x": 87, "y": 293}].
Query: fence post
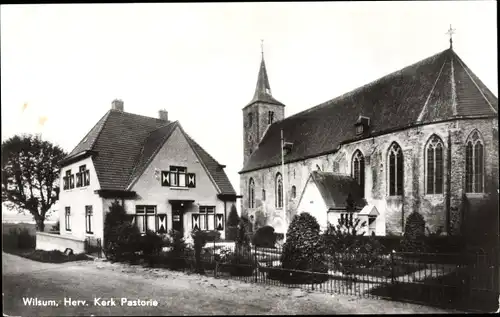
[
  {"x": 392, "y": 267},
  {"x": 256, "y": 263}
]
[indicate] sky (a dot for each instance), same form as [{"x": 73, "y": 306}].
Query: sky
[{"x": 63, "y": 64}]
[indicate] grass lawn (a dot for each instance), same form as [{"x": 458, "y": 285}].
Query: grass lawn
[{"x": 443, "y": 291}]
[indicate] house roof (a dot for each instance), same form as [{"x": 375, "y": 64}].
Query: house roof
[
  {"x": 263, "y": 89},
  {"x": 438, "y": 88},
  {"x": 335, "y": 188},
  {"x": 125, "y": 144}
]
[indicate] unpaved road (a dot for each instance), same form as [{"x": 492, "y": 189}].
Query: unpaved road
[{"x": 176, "y": 293}]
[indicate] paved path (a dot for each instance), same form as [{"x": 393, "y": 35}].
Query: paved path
[{"x": 176, "y": 293}]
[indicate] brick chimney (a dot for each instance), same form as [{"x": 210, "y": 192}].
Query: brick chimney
[
  {"x": 163, "y": 115},
  {"x": 117, "y": 104}
]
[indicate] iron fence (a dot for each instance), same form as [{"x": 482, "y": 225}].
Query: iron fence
[{"x": 458, "y": 280}]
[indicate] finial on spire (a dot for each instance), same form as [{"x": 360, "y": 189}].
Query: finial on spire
[
  {"x": 262, "y": 48},
  {"x": 450, "y": 32}
]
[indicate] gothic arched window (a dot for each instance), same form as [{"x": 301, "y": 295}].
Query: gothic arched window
[
  {"x": 396, "y": 170},
  {"x": 474, "y": 163},
  {"x": 358, "y": 170},
  {"x": 279, "y": 191},
  {"x": 434, "y": 165},
  {"x": 251, "y": 193},
  {"x": 294, "y": 191}
]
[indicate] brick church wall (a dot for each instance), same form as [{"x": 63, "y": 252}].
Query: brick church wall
[{"x": 393, "y": 209}]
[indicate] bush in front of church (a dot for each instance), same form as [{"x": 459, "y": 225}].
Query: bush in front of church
[
  {"x": 304, "y": 251},
  {"x": 414, "y": 239},
  {"x": 232, "y": 224},
  {"x": 264, "y": 237}
]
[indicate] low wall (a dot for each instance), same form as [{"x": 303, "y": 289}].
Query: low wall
[{"x": 48, "y": 242}]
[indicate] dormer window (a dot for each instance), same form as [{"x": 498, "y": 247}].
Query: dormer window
[
  {"x": 359, "y": 129},
  {"x": 362, "y": 125},
  {"x": 287, "y": 147}
]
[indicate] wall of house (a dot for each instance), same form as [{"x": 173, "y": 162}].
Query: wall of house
[
  {"x": 176, "y": 151},
  {"x": 77, "y": 198},
  {"x": 393, "y": 210},
  {"x": 312, "y": 202}
]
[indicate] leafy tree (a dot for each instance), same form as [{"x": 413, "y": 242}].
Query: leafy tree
[{"x": 30, "y": 175}]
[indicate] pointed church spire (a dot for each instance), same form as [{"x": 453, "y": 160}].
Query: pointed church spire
[{"x": 263, "y": 87}]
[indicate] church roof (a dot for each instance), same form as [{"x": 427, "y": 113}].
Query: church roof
[
  {"x": 335, "y": 188},
  {"x": 440, "y": 87},
  {"x": 263, "y": 89},
  {"x": 124, "y": 144}
]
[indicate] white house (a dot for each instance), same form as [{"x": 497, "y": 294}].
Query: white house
[
  {"x": 325, "y": 195},
  {"x": 149, "y": 165}
]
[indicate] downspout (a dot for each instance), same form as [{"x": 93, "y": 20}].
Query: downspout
[
  {"x": 448, "y": 186},
  {"x": 225, "y": 219}
]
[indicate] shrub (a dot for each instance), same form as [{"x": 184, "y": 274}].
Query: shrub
[
  {"x": 345, "y": 236},
  {"x": 232, "y": 224},
  {"x": 178, "y": 244},
  {"x": 304, "y": 249},
  {"x": 150, "y": 244},
  {"x": 414, "y": 235},
  {"x": 199, "y": 241},
  {"x": 233, "y": 219},
  {"x": 242, "y": 242},
  {"x": 239, "y": 264},
  {"x": 348, "y": 240},
  {"x": 122, "y": 239},
  {"x": 124, "y": 243},
  {"x": 264, "y": 237},
  {"x": 212, "y": 235}
]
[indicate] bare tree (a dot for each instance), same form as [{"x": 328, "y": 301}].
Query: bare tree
[{"x": 30, "y": 175}]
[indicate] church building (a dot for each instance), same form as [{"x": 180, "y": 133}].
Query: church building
[{"x": 417, "y": 140}]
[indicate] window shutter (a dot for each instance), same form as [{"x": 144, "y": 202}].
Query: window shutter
[
  {"x": 87, "y": 177},
  {"x": 191, "y": 180},
  {"x": 196, "y": 221},
  {"x": 219, "y": 223},
  {"x": 165, "y": 178},
  {"x": 162, "y": 223}
]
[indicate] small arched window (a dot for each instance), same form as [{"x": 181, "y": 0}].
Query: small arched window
[
  {"x": 279, "y": 191},
  {"x": 251, "y": 193},
  {"x": 434, "y": 165},
  {"x": 294, "y": 191},
  {"x": 474, "y": 163},
  {"x": 358, "y": 170},
  {"x": 396, "y": 170}
]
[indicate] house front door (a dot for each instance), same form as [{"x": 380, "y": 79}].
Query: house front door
[{"x": 177, "y": 218}]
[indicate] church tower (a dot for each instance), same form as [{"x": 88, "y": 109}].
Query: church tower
[{"x": 259, "y": 113}]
